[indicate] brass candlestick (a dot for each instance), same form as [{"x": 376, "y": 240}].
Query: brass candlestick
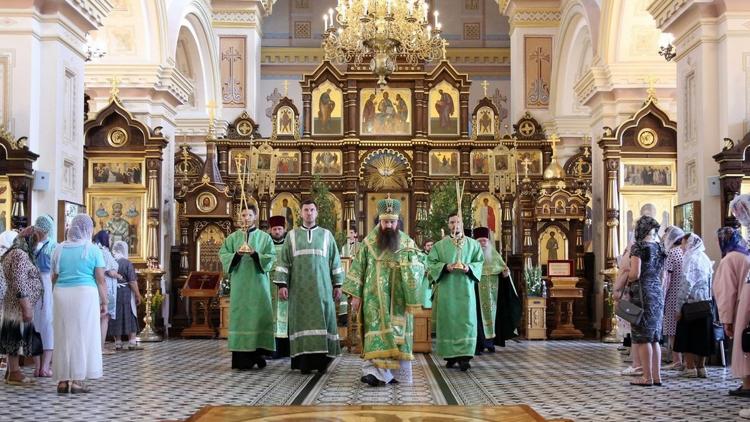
[
  {"x": 148, "y": 334},
  {"x": 243, "y": 173}
]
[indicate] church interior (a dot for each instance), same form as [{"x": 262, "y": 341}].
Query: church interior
[{"x": 555, "y": 124}]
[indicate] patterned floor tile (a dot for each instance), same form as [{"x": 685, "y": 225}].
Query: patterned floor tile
[{"x": 566, "y": 379}]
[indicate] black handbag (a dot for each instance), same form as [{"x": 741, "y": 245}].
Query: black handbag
[
  {"x": 746, "y": 339},
  {"x": 629, "y": 311},
  {"x": 697, "y": 310}
]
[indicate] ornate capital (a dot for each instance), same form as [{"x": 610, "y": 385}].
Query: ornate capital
[{"x": 250, "y": 18}]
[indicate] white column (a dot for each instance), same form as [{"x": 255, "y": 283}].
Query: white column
[
  {"x": 41, "y": 52},
  {"x": 713, "y": 96},
  {"x": 245, "y": 22}
]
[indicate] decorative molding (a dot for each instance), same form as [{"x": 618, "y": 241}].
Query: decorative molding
[
  {"x": 92, "y": 10},
  {"x": 237, "y": 18},
  {"x": 158, "y": 78},
  {"x": 665, "y": 10},
  {"x": 314, "y": 55},
  {"x": 535, "y": 17}
]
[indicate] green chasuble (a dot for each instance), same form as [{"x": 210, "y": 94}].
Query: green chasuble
[
  {"x": 426, "y": 285},
  {"x": 309, "y": 265},
  {"x": 389, "y": 285},
  {"x": 454, "y": 308},
  {"x": 488, "y": 287},
  {"x": 250, "y": 311},
  {"x": 280, "y": 307}
]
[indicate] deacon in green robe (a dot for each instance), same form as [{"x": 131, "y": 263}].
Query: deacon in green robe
[
  {"x": 250, "y": 314},
  {"x": 309, "y": 274},
  {"x": 352, "y": 245},
  {"x": 486, "y": 290},
  {"x": 277, "y": 230},
  {"x": 454, "y": 307},
  {"x": 384, "y": 282}
]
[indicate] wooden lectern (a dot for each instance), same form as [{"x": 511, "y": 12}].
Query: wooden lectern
[
  {"x": 565, "y": 292},
  {"x": 201, "y": 287}
]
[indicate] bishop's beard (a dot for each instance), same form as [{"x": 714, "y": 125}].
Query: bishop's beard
[
  {"x": 387, "y": 239},
  {"x": 487, "y": 251}
]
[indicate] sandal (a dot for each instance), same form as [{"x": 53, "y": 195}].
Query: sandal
[
  {"x": 20, "y": 379},
  {"x": 45, "y": 373},
  {"x": 642, "y": 382},
  {"x": 78, "y": 387},
  {"x": 63, "y": 387}
]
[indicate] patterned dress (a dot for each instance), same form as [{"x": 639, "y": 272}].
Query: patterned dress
[
  {"x": 648, "y": 330},
  {"x": 672, "y": 276},
  {"x": 22, "y": 281}
]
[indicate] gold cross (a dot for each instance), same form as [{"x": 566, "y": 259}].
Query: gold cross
[
  {"x": 651, "y": 90},
  {"x": 286, "y": 88},
  {"x": 114, "y": 92},
  {"x": 485, "y": 84},
  {"x": 445, "y": 51},
  {"x": 526, "y": 163},
  {"x": 579, "y": 167},
  {"x": 554, "y": 140}
]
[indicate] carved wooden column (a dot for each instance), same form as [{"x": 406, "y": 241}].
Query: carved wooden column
[
  {"x": 420, "y": 107},
  {"x": 609, "y": 321},
  {"x": 464, "y": 116},
  {"x": 506, "y": 206},
  {"x": 350, "y": 108},
  {"x": 307, "y": 113}
]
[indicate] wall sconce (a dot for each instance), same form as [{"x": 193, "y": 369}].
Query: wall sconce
[
  {"x": 93, "y": 49},
  {"x": 666, "y": 49}
]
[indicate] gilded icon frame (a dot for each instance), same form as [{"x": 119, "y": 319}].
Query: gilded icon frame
[
  {"x": 128, "y": 200},
  {"x": 630, "y": 181},
  {"x": 96, "y": 163}
]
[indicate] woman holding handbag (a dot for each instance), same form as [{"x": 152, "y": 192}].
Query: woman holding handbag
[
  {"x": 646, "y": 264},
  {"x": 733, "y": 300},
  {"x": 695, "y": 318}
]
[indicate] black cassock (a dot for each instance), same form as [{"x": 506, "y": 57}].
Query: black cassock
[{"x": 508, "y": 317}]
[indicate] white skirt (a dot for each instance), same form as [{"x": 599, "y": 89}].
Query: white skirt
[
  {"x": 43, "y": 313},
  {"x": 78, "y": 348}
]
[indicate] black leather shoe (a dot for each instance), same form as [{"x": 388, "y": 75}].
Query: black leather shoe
[
  {"x": 261, "y": 363},
  {"x": 450, "y": 364},
  {"x": 740, "y": 392},
  {"x": 372, "y": 381},
  {"x": 464, "y": 365},
  {"x": 393, "y": 381}
]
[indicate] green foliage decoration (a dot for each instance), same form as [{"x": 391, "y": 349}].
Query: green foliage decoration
[
  {"x": 442, "y": 204},
  {"x": 327, "y": 216}
]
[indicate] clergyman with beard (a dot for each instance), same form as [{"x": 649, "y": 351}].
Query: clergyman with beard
[
  {"x": 385, "y": 283},
  {"x": 277, "y": 230},
  {"x": 498, "y": 304}
]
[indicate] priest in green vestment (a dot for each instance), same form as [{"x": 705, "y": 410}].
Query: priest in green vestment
[
  {"x": 385, "y": 282},
  {"x": 277, "y": 230},
  {"x": 309, "y": 275},
  {"x": 351, "y": 247},
  {"x": 486, "y": 290},
  {"x": 455, "y": 264},
  {"x": 251, "y": 333}
]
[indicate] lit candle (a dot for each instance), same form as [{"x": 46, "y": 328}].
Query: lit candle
[
  {"x": 429, "y": 31},
  {"x": 438, "y": 26},
  {"x": 325, "y": 22},
  {"x": 366, "y": 6},
  {"x": 409, "y": 6},
  {"x": 426, "y": 8},
  {"x": 388, "y": 6},
  {"x": 436, "y": 13},
  {"x": 330, "y": 16}
]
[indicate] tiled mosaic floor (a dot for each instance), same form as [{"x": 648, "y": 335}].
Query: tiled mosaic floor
[{"x": 576, "y": 380}]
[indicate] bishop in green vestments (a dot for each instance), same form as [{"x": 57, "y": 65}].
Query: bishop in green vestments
[
  {"x": 309, "y": 274},
  {"x": 250, "y": 313},
  {"x": 454, "y": 306},
  {"x": 277, "y": 230},
  {"x": 385, "y": 281}
]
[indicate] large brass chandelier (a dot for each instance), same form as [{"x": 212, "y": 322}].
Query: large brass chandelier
[{"x": 382, "y": 31}]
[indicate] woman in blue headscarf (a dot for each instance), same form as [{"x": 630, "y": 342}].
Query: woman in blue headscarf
[{"x": 44, "y": 230}]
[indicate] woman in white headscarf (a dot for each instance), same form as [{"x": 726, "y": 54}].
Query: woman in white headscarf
[
  {"x": 672, "y": 278},
  {"x": 80, "y": 299},
  {"x": 694, "y": 337}
]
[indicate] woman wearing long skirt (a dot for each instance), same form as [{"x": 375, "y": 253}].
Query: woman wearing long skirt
[
  {"x": 44, "y": 230},
  {"x": 128, "y": 298},
  {"x": 111, "y": 278},
  {"x": 733, "y": 300},
  {"x": 694, "y": 337},
  {"x": 672, "y": 277},
  {"x": 24, "y": 289},
  {"x": 80, "y": 300}
]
